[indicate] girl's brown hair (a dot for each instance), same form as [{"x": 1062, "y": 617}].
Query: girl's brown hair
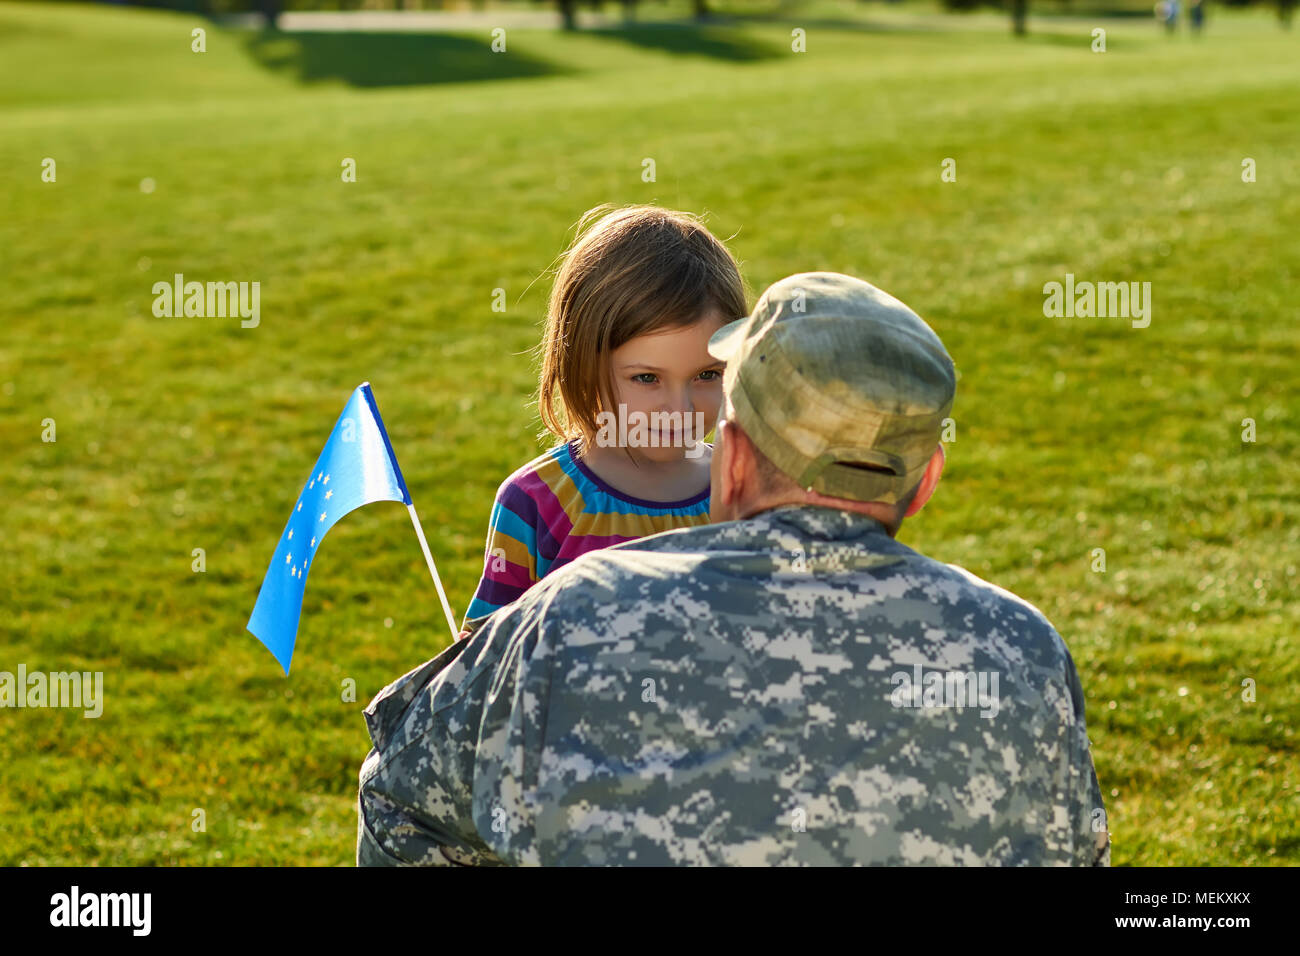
[{"x": 632, "y": 271}]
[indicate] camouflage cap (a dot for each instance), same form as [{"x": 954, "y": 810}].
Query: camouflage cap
[{"x": 842, "y": 386}]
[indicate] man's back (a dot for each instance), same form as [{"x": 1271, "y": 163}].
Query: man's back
[{"x": 793, "y": 688}]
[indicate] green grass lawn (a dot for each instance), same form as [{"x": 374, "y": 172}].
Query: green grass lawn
[{"x": 1072, "y": 433}]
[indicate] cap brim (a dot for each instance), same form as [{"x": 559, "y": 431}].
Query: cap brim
[{"x": 724, "y": 342}]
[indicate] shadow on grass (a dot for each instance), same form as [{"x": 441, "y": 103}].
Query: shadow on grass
[
  {"x": 710, "y": 39},
  {"x": 390, "y": 59}
]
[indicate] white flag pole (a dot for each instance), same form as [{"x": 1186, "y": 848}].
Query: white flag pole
[{"x": 428, "y": 559}]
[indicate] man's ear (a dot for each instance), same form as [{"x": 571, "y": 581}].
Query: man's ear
[
  {"x": 737, "y": 459},
  {"x": 928, "y": 481}
]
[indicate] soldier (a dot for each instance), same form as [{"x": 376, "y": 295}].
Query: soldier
[{"x": 789, "y": 685}]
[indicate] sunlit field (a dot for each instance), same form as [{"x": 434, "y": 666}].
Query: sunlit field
[{"x": 1082, "y": 443}]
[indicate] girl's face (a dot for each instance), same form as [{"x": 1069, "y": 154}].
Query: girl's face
[{"x": 670, "y": 370}]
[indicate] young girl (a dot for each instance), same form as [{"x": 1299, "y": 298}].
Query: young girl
[{"x": 628, "y": 385}]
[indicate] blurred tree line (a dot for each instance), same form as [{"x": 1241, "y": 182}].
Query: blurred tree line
[
  {"x": 271, "y": 9},
  {"x": 1019, "y": 9}
]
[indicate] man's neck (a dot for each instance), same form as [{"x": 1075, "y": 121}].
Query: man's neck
[{"x": 872, "y": 509}]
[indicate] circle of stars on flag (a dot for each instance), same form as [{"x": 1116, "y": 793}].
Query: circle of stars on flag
[{"x": 297, "y": 571}]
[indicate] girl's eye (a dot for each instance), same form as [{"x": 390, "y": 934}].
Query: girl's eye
[{"x": 709, "y": 375}]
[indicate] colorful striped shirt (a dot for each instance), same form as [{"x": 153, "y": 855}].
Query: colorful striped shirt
[{"x": 555, "y": 508}]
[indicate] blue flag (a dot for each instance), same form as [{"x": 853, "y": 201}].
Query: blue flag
[{"x": 356, "y": 466}]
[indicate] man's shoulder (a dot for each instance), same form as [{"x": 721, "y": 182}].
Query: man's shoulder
[
  {"x": 992, "y": 595},
  {"x": 677, "y": 562}
]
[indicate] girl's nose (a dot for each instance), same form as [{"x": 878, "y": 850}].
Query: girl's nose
[{"x": 683, "y": 402}]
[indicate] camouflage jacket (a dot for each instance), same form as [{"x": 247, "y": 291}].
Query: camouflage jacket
[{"x": 793, "y": 688}]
